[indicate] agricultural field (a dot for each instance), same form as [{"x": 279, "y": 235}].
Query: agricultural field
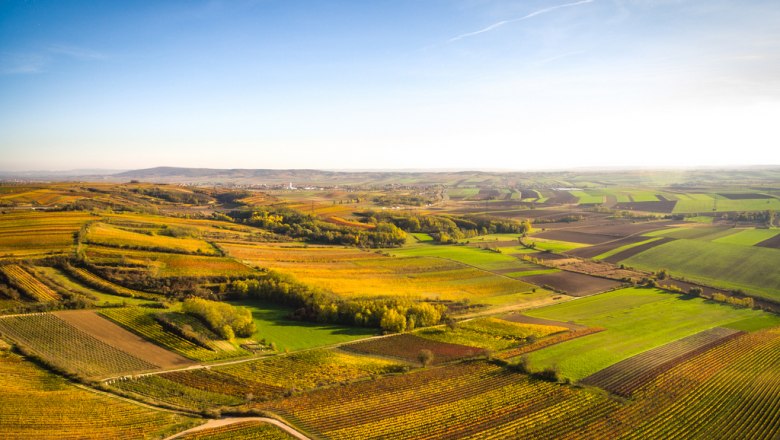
[
  {"x": 354, "y": 273},
  {"x": 274, "y": 326},
  {"x": 109, "y": 235},
  {"x": 549, "y": 341},
  {"x": 41, "y": 405},
  {"x": 635, "y": 319},
  {"x": 68, "y": 347},
  {"x": 33, "y": 234},
  {"x": 140, "y": 321},
  {"x": 728, "y": 266}
]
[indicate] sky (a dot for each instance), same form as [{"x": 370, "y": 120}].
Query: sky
[{"x": 389, "y": 84}]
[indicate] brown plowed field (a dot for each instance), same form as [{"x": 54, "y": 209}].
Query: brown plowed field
[
  {"x": 626, "y": 376},
  {"x": 592, "y": 251},
  {"x": 744, "y": 196},
  {"x": 773, "y": 242},
  {"x": 523, "y": 319},
  {"x": 628, "y": 253},
  {"x": 575, "y": 284},
  {"x": 407, "y": 347},
  {"x": 90, "y": 322},
  {"x": 561, "y": 198},
  {"x": 666, "y": 207},
  {"x": 575, "y": 236}
]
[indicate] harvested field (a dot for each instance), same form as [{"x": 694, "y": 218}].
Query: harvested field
[
  {"x": 626, "y": 376},
  {"x": 592, "y": 251},
  {"x": 524, "y": 319},
  {"x": 773, "y": 242},
  {"x": 100, "y": 328},
  {"x": 548, "y": 341},
  {"x": 745, "y": 196},
  {"x": 628, "y": 253},
  {"x": 575, "y": 236},
  {"x": 407, "y": 347},
  {"x": 666, "y": 207},
  {"x": 562, "y": 198},
  {"x": 575, "y": 284},
  {"x": 600, "y": 269},
  {"x": 548, "y": 256}
]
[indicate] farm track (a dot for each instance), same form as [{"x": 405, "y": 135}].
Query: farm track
[{"x": 218, "y": 423}]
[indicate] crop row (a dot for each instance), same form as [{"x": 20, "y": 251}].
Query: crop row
[
  {"x": 98, "y": 283},
  {"x": 141, "y": 322},
  {"x": 25, "y": 282},
  {"x": 68, "y": 347},
  {"x": 721, "y": 393},
  {"x": 448, "y": 402},
  {"x": 39, "y": 405},
  {"x": 626, "y": 376}
]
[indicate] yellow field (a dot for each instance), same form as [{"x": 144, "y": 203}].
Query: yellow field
[
  {"x": 351, "y": 272},
  {"x": 107, "y": 235},
  {"x": 208, "y": 229},
  {"x": 167, "y": 264},
  {"x": 39, "y": 405},
  {"x": 26, "y": 234},
  {"x": 22, "y": 279}
]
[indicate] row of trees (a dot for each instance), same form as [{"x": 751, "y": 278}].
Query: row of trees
[
  {"x": 292, "y": 223},
  {"x": 448, "y": 229},
  {"x": 312, "y": 304}
]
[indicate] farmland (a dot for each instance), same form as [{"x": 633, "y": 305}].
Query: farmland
[
  {"x": 427, "y": 311},
  {"x": 631, "y": 318}
]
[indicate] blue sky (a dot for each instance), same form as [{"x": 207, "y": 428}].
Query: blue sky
[{"x": 389, "y": 84}]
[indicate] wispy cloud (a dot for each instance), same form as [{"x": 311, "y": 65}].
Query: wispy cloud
[
  {"x": 501, "y": 23},
  {"x": 21, "y": 64}
]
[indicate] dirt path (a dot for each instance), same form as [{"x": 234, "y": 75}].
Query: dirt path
[
  {"x": 114, "y": 335},
  {"x": 233, "y": 420}
]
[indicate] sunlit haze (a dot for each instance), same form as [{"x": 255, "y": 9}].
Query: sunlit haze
[{"x": 389, "y": 84}]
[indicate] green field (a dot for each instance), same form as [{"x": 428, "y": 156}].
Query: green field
[
  {"x": 636, "y": 320},
  {"x": 272, "y": 325},
  {"x": 473, "y": 256},
  {"x": 748, "y": 237},
  {"x": 753, "y": 269},
  {"x": 712, "y": 202},
  {"x": 694, "y": 232}
]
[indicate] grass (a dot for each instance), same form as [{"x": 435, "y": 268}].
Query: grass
[
  {"x": 709, "y": 203},
  {"x": 541, "y": 244},
  {"x": 699, "y": 219},
  {"x": 748, "y": 237},
  {"x": 529, "y": 273},
  {"x": 272, "y": 326},
  {"x": 636, "y": 320},
  {"x": 473, "y": 256},
  {"x": 693, "y": 233},
  {"x": 755, "y": 323},
  {"x": 585, "y": 198},
  {"x": 753, "y": 269}
]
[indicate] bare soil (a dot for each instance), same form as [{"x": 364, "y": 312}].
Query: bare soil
[
  {"x": 743, "y": 196},
  {"x": 773, "y": 242},
  {"x": 575, "y": 236},
  {"x": 114, "y": 335},
  {"x": 571, "y": 283}
]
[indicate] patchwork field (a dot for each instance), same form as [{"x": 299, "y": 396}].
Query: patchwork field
[
  {"x": 70, "y": 348},
  {"x": 408, "y": 347},
  {"x": 751, "y": 268},
  {"x": 350, "y": 273}
]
